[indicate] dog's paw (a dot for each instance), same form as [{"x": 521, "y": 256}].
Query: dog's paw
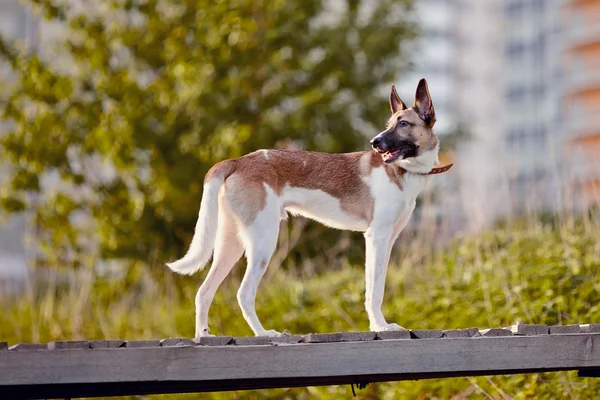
[
  {"x": 387, "y": 327},
  {"x": 203, "y": 333},
  {"x": 271, "y": 333},
  {"x": 197, "y": 338}
]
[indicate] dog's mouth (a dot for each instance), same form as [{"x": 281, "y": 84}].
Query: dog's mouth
[
  {"x": 391, "y": 156},
  {"x": 405, "y": 150}
]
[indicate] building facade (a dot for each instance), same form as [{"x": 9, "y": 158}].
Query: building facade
[
  {"x": 16, "y": 24},
  {"x": 534, "y": 137},
  {"x": 523, "y": 77},
  {"x": 460, "y": 52},
  {"x": 581, "y": 99}
]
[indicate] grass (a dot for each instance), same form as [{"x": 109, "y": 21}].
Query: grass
[{"x": 531, "y": 271}]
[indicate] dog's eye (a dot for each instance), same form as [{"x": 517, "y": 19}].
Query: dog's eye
[{"x": 403, "y": 123}]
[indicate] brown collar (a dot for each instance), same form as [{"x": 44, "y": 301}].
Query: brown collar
[{"x": 439, "y": 170}]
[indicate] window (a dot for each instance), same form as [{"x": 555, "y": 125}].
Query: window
[
  {"x": 538, "y": 49},
  {"x": 515, "y": 94},
  {"x": 514, "y": 9},
  {"x": 577, "y": 66},
  {"x": 515, "y": 49},
  {"x": 515, "y": 138},
  {"x": 577, "y": 110},
  {"x": 539, "y": 90}
]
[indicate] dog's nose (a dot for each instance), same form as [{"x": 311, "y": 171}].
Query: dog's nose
[{"x": 376, "y": 142}]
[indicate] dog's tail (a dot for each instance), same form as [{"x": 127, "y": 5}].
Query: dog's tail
[{"x": 205, "y": 232}]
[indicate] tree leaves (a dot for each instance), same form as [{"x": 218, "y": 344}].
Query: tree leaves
[{"x": 158, "y": 91}]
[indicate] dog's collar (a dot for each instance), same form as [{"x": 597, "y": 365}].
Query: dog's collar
[{"x": 438, "y": 170}]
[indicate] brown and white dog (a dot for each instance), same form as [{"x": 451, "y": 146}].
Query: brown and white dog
[{"x": 371, "y": 191}]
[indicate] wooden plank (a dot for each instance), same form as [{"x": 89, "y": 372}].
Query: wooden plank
[
  {"x": 392, "y": 335},
  {"x": 455, "y": 333},
  {"x": 287, "y": 339},
  {"x": 358, "y": 336},
  {"x": 142, "y": 343},
  {"x": 28, "y": 346},
  {"x": 106, "y": 344},
  {"x": 565, "y": 329},
  {"x": 323, "y": 337},
  {"x": 426, "y": 333},
  {"x": 252, "y": 341},
  {"x": 146, "y": 370},
  {"x": 528, "y": 330},
  {"x": 215, "y": 340},
  {"x": 590, "y": 328},
  {"x": 177, "y": 342},
  {"x": 494, "y": 332},
  {"x": 69, "y": 344}
]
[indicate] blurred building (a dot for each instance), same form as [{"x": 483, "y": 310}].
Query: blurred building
[
  {"x": 460, "y": 52},
  {"x": 534, "y": 138},
  {"x": 431, "y": 57},
  {"x": 552, "y": 97},
  {"x": 15, "y": 20},
  {"x": 582, "y": 98},
  {"x": 523, "y": 77},
  {"x": 478, "y": 84},
  {"x": 16, "y": 23}
]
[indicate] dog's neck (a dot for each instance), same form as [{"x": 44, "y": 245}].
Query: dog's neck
[{"x": 421, "y": 164}]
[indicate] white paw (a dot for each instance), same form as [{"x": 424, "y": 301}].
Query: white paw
[
  {"x": 270, "y": 332},
  {"x": 203, "y": 333},
  {"x": 387, "y": 327}
]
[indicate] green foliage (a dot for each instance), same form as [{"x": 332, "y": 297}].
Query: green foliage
[
  {"x": 522, "y": 272},
  {"x": 157, "y": 91}
]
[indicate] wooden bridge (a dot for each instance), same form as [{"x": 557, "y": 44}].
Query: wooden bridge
[{"x": 108, "y": 368}]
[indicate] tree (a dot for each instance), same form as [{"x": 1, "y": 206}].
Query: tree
[{"x": 110, "y": 155}]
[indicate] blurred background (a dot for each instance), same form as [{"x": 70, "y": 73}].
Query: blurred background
[{"x": 113, "y": 111}]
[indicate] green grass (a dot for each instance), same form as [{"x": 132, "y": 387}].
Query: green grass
[{"x": 529, "y": 272}]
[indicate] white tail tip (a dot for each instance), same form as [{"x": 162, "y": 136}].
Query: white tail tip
[{"x": 184, "y": 266}]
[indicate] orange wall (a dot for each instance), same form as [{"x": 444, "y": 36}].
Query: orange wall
[
  {"x": 592, "y": 189},
  {"x": 589, "y": 51},
  {"x": 590, "y": 143},
  {"x": 586, "y": 4},
  {"x": 589, "y": 96}
]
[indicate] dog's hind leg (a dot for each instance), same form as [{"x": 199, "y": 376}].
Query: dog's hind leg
[
  {"x": 260, "y": 240},
  {"x": 228, "y": 250}
]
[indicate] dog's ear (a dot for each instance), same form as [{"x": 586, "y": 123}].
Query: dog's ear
[
  {"x": 423, "y": 105},
  {"x": 395, "y": 103}
]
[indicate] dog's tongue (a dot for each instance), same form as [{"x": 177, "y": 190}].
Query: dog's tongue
[{"x": 389, "y": 154}]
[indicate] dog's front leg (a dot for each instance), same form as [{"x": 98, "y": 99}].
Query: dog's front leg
[{"x": 378, "y": 248}]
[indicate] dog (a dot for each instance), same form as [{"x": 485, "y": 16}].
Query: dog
[{"x": 370, "y": 191}]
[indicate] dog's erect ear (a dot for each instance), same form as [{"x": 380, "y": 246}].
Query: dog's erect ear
[
  {"x": 395, "y": 103},
  {"x": 423, "y": 105}
]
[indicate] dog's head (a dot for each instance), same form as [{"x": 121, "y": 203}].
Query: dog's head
[{"x": 408, "y": 138}]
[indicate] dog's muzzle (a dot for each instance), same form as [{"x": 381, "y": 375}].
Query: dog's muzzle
[
  {"x": 377, "y": 143},
  {"x": 392, "y": 149}
]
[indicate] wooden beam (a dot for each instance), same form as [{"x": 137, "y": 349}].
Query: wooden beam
[{"x": 104, "y": 371}]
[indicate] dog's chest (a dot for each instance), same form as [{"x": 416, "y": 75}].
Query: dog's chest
[
  {"x": 394, "y": 203},
  {"x": 413, "y": 184}
]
